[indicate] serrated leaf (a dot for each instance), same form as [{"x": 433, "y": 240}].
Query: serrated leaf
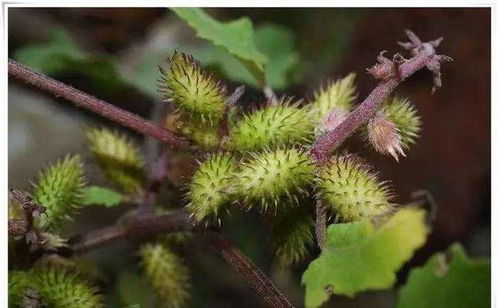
[
  {"x": 237, "y": 37},
  {"x": 460, "y": 283},
  {"x": 101, "y": 196},
  {"x": 361, "y": 256},
  {"x": 276, "y": 42}
]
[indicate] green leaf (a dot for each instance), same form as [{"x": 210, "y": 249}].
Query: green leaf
[
  {"x": 101, "y": 196},
  {"x": 236, "y": 37},
  {"x": 361, "y": 256},
  {"x": 276, "y": 42},
  {"x": 460, "y": 283},
  {"x": 51, "y": 56},
  {"x": 60, "y": 54}
]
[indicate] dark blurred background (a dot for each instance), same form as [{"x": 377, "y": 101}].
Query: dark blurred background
[{"x": 113, "y": 54}]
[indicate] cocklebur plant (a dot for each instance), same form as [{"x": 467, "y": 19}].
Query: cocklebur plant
[
  {"x": 118, "y": 158},
  {"x": 60, "y": 288},
  {"x": 167, "y": 274},
  {"x": 58, "y": 194},
  {"x": 211, "y": 187},
  {"x": 292, "y": 235},
  {"x": 277, "y": 160},
  {"x": 206, "y": 137},
  {"x": 394, "y": 127},
  {"x": 332, "y": 104},
  {"x": 352, "y": 190},
  {"x": 52, "y": 287},
  {"x": 194, "y": 91},
  {"x": 283, "y": 123},
  {"x": 60, "y": 190},
  {"x": 273, "y": 178}
]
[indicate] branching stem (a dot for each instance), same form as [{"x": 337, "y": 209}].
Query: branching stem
[
  {"x": 158, "y": 174},
  {"x": 135, "y": 226},
  {"x": 146, "y": 225},
  {"x": 143, "y": 226},
  {"x": 424, "y": 56},
  {"x": 391, "y": 73},
  {"x": 257, "y": 280}
]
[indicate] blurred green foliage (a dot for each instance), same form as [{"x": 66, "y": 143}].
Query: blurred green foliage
[
  {"x": 455, "y": 283},
  {"x": 61, "y": 55},
  {"x": 276, "y": 42},
  {"x": 132, "y": 288},
  {"x": 101, "y": 196}
]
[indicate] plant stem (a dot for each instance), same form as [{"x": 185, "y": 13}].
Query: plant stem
[
  {"x": 84, "y": 100},
  {"x": 142, "y": 226},
  {"x": 131, "y": 227},
  {"x": 270, "y": 95},
  {"x": 424, "y": 55},
  {"x": 145, "y": 225},
  {"x": 328, "y": 142},
  {"x": 230, "y": 103},
  {"x": 321, "y": 224},
  {"x": 158, "y": 174},
  {"x": 250, "y": 272}
]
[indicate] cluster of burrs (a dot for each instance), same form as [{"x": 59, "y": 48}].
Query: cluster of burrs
[{"x": 396, "y": 125}]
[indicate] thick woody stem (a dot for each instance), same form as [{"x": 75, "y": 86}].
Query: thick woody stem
[
  {"x": 424, "y": 56},
  {"x": 93, "y": 104}
]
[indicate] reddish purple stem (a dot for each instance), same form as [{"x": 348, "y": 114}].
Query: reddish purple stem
[
  {"x": 424, "y": 56},
  {"x": 83, "y": 100}
]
